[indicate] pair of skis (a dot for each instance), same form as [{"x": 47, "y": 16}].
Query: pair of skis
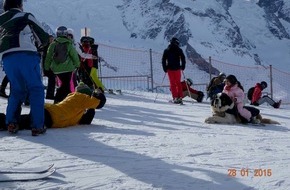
[
  {"x": 26, "y": 174},
  {"x": 172, "y": 102},
  {"x": 115, "y": 92}
]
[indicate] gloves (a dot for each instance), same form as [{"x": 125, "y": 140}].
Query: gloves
[
  {"x": 48, "y": 73},
  {"x": 255, "y": 104},
  {"x": 102, "y": 99},
  {"x": 164, "y": 69}
]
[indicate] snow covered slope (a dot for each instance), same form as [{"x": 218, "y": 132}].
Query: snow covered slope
[{"x": 135, "y": 143}]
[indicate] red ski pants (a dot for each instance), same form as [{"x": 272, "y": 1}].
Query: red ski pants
[{"x": 175, "y": 84}]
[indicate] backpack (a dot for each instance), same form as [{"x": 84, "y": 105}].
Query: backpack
[
  {"x": 250, "y": 93},
  {"x": 60, "y": 52},
  {"x": 210, "y": 83},
  {"x": 94, "y": 48}
]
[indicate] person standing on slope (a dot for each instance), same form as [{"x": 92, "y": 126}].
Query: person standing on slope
[
  {"x": 62, "y": 58},
  {"x": 21, "y": 37},
  {"x": 173, "y": 62}
]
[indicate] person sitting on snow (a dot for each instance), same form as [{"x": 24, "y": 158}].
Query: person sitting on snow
[
  {"x": 216, "y": 85},
  {"x": 188, "y": 91},
  {"x": 255, "y": 95},
  {"x": 76, "y": 109}
]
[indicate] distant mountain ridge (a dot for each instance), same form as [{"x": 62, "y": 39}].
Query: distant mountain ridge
[
  {"x": 249, "y": 32},
  {"x": 166, "y": 19}
]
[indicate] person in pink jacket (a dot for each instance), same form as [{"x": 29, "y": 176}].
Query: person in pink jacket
[{"x": 235, "y": 91}]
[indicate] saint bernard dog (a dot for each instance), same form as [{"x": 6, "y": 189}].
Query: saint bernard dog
[{"x": 225, "y": 112}]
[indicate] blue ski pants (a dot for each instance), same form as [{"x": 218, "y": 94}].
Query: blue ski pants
[{"x": 23, "y": 72}]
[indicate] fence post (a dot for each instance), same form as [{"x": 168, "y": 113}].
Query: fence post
[
  {"x": 210, "y": 67},
  {"x": 151, "y": 68},
  {"x": 271, "y": 81},
  {"x": 100, "y": 69}
]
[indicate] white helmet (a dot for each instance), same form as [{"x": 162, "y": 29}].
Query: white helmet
[{"x": 70, "y": 31}]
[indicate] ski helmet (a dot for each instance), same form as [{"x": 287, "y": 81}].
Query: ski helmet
[
  {"x": 9, "y": 4},
  {"x": 61, "y": 31},
  {"x": 70, "y": 31},
  {"x": 223, "y": 75},
  {"x": 264, "y": 84},
  {"x": 87, "y": 39}
]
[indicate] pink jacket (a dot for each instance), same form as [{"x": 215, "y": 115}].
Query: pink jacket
[{"x": 234, "y": 92}]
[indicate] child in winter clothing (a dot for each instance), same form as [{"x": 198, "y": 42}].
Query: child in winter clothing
[
  {"x": 216, "y": 85},
  {"x": 77, "y": 108},
  {"x": 50, "y": 90},
  {"x": 81, "y": 54},
  {"x": 189, "y": 91},
  {"x": 257, "y": 98},
  {"x": 89, "y": 66},
  {"x": 63, "y": 70},
  {"x": 172, "y": 56},
  {"x": 235, "y": 91}
]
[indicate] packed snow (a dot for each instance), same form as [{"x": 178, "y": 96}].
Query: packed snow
[{"x": 136, "y": 143}]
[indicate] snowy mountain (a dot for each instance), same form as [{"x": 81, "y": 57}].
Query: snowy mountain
[
  {"x": 214, "y": 27},
  {"x": 245, "y": 32}
]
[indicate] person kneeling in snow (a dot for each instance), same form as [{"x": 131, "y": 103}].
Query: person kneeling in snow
[
  {"x": 188, "y": 91},
  {"x": 76, "y": 109}
]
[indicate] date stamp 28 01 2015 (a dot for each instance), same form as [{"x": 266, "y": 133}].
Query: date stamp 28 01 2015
[{"x": 245, "y": 172}]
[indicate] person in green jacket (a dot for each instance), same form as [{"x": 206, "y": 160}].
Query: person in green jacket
[{"x": 62, "y": 58}]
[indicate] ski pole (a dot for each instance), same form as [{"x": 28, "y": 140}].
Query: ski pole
[
  {"x": 161, "y": 85},
  {"x": 187, "y": 87}
]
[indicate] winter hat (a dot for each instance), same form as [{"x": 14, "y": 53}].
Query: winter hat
[
  {"x": 84, "y": 89},
  {"x": 264, "y": 84},
  {"x": 232, "y": 79},
  {"x": 174, "y": 41},
  {"x": 9, "y": 4}
]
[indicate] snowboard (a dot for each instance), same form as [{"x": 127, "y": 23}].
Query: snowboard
[
  {"x": 171, "y": 101},
  {"x": 115, "y": 92}
]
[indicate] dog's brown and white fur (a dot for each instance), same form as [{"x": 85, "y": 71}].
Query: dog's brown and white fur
[{"x": 221, "y": 105}]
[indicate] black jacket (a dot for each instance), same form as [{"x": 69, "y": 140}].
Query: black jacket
[{"x": 171, "y": 58}]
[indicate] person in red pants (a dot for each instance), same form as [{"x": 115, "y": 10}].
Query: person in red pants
[
  {"x": 191, "y": 92},
  {"x": 173, "y": 62}
]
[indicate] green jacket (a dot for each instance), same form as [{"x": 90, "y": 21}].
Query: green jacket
[{"x": 72, "y": 62}]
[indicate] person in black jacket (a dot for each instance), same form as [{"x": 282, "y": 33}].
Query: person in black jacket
[
  {"x": 50, "y": 90},
  {"x": 171, "y": 59}
]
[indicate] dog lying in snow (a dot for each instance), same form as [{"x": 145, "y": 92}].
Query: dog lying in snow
[{"x": 225, "y": 112}]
